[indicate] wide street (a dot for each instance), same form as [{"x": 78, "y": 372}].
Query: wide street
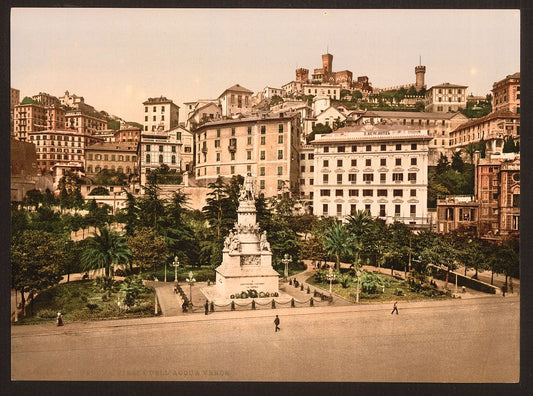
[{"x": 459, "y": 340}]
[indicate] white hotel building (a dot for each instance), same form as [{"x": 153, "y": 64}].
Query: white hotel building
[{"x": 378, "y": 168}]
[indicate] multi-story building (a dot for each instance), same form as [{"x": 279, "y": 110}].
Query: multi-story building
[
  {"x": 265, "y": 146},
  {"x": 493, "y": 128},
  {"x": 445, "y": 97},
  {"x": 378, "y": 168},
  {"x": 28, "y": 118},
  {"x": 458, "y": 213},
  {"x": 506, "y": 94},
  {"x": 129, "y": 134},
  {"x": 292, "y": 88},
  {"x": 55, "y": 117},
  {"x": 14, "y": 98},
  {"x": 439, "y": 126},
  {"x": 269, "y": 92},
  {"x": 307, "y": 175},
  {"x": 333, "y": 91},
  {"x": 157, "y": 148},
  {"x": 115, "y": 156},
  {"x": 60, "y": 146},
  {"x": 235, "y": 100},
  {"x": 86, "y": 122},
  {"x": 498, "y": 194},
  {"x": 202, "y": 112},
  {"x": 160, "y": 114},
  {"x": 46, "y": 99},
  {"x": 185, "y": 141}
]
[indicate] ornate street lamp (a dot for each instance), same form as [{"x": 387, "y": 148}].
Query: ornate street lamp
[
  {"x": 330, "y": 276},
  {"x": 286, "y": 260},
  {"x": 176, "y": 264},
  {"x": 190, "y": 280}
]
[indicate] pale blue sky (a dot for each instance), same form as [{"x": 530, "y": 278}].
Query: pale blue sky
[{"x": 117, "y": 58}]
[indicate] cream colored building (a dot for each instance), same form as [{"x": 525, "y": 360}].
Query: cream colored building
[
  {"x": 378, "y": 168},
  {"x": 445, "y": 97},
  {"x": 157, "y": 148},
  {"x": 292, "y": 88},
  {"x": 200, "y": 113},
  {"x": 266, "y": 146},
  {"x": 46, "y": 99},
  {"x": 185, "y": 141},
  {"x": 118, "y": 157},
  {"x": 85, "y": 122},
  {"x": 160, "y": 114},
  {"x": 506, "y": 94},
  {"x": 235, "y": 100},
  {"x": 330, "y": 90}
]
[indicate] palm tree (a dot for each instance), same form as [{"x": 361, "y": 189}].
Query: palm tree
[
  {"x": 360, "y": 222},
  {"x": 103, "y": 250},
  {"x": 338, "y": 242}
]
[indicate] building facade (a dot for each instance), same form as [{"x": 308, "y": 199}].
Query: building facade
[
  {"x": 85, "y": 122},
  {"x": 185, "y": 141},
  {"x": 14, "y": 98},
  {"x": 118, "y": 157},
  {"x": 160, "y": 114},
  {"x": 506, "y": 94},
  {"x": 380, "y": 169},
  {"x": 458, "y": 213},
  {"x": 332, "y": 91},
  {"x": 445, "y": 97},
  {"x": 235, "y": 100},
  {"x": 129, "y": 135},
  {"x": 157, "y": 148},
  {"x": 28, "y": 118},
  {"x": 46, "y": 99},
  {"x": 265, "y": 146}
]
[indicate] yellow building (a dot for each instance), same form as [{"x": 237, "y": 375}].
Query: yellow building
[{"x": 116, "y": 156}]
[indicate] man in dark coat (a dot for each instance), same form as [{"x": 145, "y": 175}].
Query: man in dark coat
[
  {"x": 206, "y": 307},
  {"x": 276, "y": 322},
  {"x": 395, "y": 308}
]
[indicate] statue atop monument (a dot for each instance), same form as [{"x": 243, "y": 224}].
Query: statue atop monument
[{"x": 247, "y": 192}]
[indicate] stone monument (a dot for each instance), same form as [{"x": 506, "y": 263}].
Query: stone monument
[{"x": 246, "y": 255}]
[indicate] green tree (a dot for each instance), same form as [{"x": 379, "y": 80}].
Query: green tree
[
  {"x": 443, "y": 164},
  {"x": 148, "y": 249},
  {"x": 457, "y": 162},
  {"x": 33, "y": 198},
  {"x": 105, "y": 249},
  {"x": 36, "y": 258},
  {"x": 320, "y": 128},
  {"x": 441, "y": 254},
  {"x": 338, "y": 242}
]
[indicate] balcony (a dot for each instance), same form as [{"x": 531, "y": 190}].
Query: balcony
[
  {"x": 204, "y": 150},
  {"x": 232, "y": 148}
]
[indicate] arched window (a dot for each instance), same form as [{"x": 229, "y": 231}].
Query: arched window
[
  {"x": 128, "y": 170},
  {"x": 97, "y": 169},
  {"x": 173, "y": 159},
  {"x": 147, "y": 158}
]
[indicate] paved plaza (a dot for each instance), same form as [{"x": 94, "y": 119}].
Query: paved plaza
[{"x": 459, "y": 340}]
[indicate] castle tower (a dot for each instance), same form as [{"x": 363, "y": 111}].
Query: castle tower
[
  {"x": 420, "y": 71},
  {"x": 327, "y": 64},
  {"x": 302, "y": 75}
]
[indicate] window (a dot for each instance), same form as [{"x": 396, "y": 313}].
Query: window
[
  {"x": 413, "y": 161},
  {"x": 153, "y": 118},
  {"x": 354, "y": 149},
  {"x": 354, "y": 162},
  {"x": 302, "y": 156},
  {"x": 280, "y": 184},
  {"x": 173, "y": 159},
  {"x": 233, "y": 131},
  {"x": 383, "y": 162},
  {"x": 382, "y": 210},
  {"x": 325, "y": 193},
  {"x": 262, "y": 184},
  {"x": 263, "y": 140},
  {"x": 147, "y": 147},
  {"x": 302, "y": 169},
  {"x": 310, "y": 156},
  {"x": 146, "y": 109},
  {"x": 383, "y": 147},
  {"x": 280, "y": 154},
  {"x": 218, "y": 133},
  {"x": 280, "y": 128},
  {"x": 397, "y": 193},
  {"x": 398, "y": 147},
  {"x": 397, "y": 210},
  {"x": 339, "y": 178},
  {"x": 248, "y": 154},
  {"x": 339, "y": 193},
  {"x": 145, "y": 118},
  {"x": 412, "y": 210},
  {"x": 173, "y": 149},
  {"x": 412, "y": 192},
  {"x": 368, "y": 177},
  {"x": 262, "y": 154},
  {"x": 263, "y": 129},
  {"x": 352, "y": 178},
  {"x": 411, "y": 177},
  {"x": 339, "y": 163},
  {"x": 368, "y": 147},
  {"x": 368, "y": 193},
  {"x": 160, "y": 149},
  {"x": 398, "y": 162},
  {"x": 326, "y": 149},
  {"x": 353, "y": 193},
  {"x": 232, "y": 156},
  {"x": 382, "y": 193},
  {"x": 280, "y": 170},
  {"x": 340, "y": 149},
  {"x": 368, "y": 162},
  {"x": 280, "y": 139},
  {"x": 147, "y": 158},
  {"x": 397, "y": 177},
  {"x": 353, "y": 208},
  {"x": 217, "y": 143},
  {"x": 325, "y": 178},
  {"x": 218, "y": 170},
  {"x": 516, "y": 200},
  {"x": 160, "y": 159},
  {"x": 262, "y": 171},
  {"x": 218, "y": 157},
  {"x": 249, "y": 130},
  {"x": 367, "y": 208},
  {"x": 325, "y": 209},
  {"x": 232, "y": 169},
  {"x": 311, "y": 182}
]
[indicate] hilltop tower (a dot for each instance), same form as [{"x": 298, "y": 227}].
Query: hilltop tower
[
  {"x": 420, "y": 71},
  {"x": 302, "y": 75},
  {"x": 327, "y": 63}
]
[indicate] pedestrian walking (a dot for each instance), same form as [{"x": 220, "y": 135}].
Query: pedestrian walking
[
  {"x": 511, "y": 285},
  {"x": 59, "y": 319},
  {"x": 206, "y": 307},
  {"x": 395, "y": 308},
  {"x": 276, "y": 322},
  {"x": 504, "y": 289}
]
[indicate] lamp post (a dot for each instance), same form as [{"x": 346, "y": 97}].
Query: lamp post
[
  {"x": 358, "y": 273},
  {"x": 286, "y": 260},
  {"x": 190, "y": 280},
  {"x": 176, "y": 264},
  {"x": 165, "y": 271},
  {"x": 330, "y": 276}
]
